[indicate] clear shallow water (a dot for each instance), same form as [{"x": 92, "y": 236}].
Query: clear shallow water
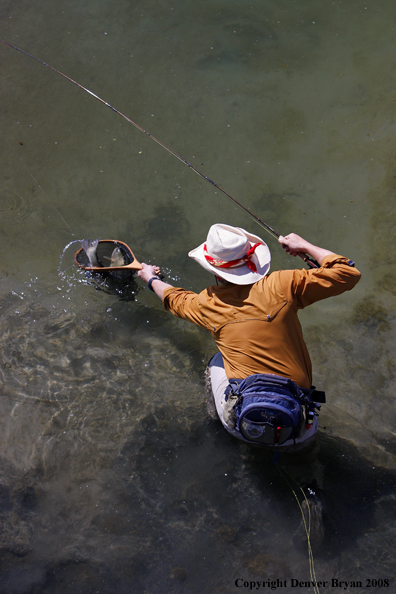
[{"x": 113, "y": 477}]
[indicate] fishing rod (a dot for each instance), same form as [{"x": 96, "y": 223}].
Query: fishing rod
[{"x": 312, "y": 263}]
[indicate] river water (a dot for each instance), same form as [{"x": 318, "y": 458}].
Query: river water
[{"x": 114, "y": 478}]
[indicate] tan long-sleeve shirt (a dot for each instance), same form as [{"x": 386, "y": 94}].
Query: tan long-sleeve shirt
[{"x": 256, "y": 327}]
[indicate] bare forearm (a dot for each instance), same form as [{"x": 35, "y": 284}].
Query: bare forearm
[
  {"x": 149, "y": 274},
  {"x": 159, "y": 287},
  {"x": 294, "y": 244},
  {"x": 317, "y": 252}
]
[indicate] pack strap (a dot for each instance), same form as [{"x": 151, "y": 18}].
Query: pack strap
[
  {"x": 269, "y": 379},
  {"x": 314, "y": 394},
  {"x": 232, "y": 388}
]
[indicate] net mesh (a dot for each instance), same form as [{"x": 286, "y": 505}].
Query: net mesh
[
  {"x": 104, "y": 253},
  {"x": 114, "y": 281}
]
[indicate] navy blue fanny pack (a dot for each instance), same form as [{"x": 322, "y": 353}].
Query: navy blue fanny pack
[{"x": 270, "y": 410}]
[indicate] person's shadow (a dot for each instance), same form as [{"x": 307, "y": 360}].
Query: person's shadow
[{"x": 355, "y": 494}]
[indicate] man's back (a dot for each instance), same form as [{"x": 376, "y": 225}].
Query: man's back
[{"x": 256, "y": 327}]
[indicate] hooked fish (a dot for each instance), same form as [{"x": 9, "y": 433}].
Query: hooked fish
[
  {"x": 117, "y": 258},
  {"x": 89, "y": 248}
]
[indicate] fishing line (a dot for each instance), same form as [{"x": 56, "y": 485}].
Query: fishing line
[
  {"x": 307, "y": 528},
  {"x": 35, "y": 180},
  {"x": 310, "y": 261}
]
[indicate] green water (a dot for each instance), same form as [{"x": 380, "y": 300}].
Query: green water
[{"x": 113, "y": 476}]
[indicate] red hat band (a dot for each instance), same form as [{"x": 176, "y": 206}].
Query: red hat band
[{"x": 234, "y": 263}]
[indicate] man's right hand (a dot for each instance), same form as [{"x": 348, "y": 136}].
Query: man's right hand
[{"x": 295, "y": 245}]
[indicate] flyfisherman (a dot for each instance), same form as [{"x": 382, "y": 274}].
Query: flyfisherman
[{"x": 253, "y": 317}]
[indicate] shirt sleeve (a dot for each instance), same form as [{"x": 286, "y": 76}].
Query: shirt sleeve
[
  {"x": 335, "y": 276},
  {"x": 183, "y": 304}
]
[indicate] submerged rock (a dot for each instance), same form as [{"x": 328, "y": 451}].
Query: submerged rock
[{"x": 179, "y": 574}]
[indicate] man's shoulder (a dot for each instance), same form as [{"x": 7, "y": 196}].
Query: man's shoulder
[{"x": 274, "y": 278}]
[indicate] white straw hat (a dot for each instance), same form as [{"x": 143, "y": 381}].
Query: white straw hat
[{"x": 233, "y": 254}]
